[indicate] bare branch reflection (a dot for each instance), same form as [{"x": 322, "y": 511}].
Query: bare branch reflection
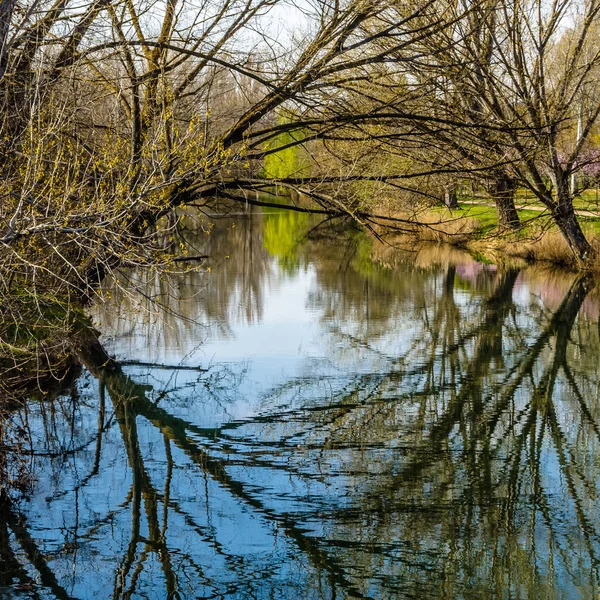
[{"x": 442, "y": 442}]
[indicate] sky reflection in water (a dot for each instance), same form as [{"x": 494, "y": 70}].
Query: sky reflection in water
[{"x": 323, "y": 427}]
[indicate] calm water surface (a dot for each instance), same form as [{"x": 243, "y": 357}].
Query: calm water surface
[{"x": 320, "y": 420}]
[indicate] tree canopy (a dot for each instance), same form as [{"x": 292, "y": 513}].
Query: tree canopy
[{"x": 118, "y": 113}]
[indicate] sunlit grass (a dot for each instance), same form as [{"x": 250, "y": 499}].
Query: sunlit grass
[
  {"x": 484, "y": 213},
  {"x": 486, "y": 217}
]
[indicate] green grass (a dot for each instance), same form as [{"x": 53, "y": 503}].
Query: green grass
[
  {"x": 586, "y": 200},
  {"x": 485, "y": 214},
  {"x": 533, "y": 220},
  {"x": 591, "y": 226}
]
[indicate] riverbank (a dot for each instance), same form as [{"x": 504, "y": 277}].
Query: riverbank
[{"x": 473, "y": 226}]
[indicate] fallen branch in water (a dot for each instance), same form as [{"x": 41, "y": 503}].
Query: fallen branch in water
[{"x": 150, "y": 365}]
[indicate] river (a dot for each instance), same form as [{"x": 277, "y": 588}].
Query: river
[{"x": 313, "y": 415}]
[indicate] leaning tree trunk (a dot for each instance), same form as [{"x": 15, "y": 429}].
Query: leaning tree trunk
[
  {"x": 566, "y": 219},
  {"x": 502, "y": 190}
]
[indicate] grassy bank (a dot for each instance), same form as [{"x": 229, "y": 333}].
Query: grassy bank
[{"x": 474, "y": 226}]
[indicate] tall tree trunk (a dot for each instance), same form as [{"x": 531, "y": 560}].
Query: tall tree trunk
[
  {"x": 451, "y": 196},
  {"x": 502, "y": 190}
]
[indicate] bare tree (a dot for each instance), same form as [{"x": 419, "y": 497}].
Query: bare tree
[
  {"x": 124, "y": 119},
  {"x": 514, "y": 97}
]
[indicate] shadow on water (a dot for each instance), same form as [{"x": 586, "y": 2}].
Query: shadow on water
[{"x": 441, "y": 442}]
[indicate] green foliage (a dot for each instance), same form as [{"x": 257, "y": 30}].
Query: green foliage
[
  {"x": 481, "y": 258},
  {"x": 366, "y": 193},
  {"x": 282, "y": 234},
  {"x": 37, "y": 318},
  {"x": 363, "y": 257},
  {"x": 39, "y": 337},
  {"x": 292, "y": 161}
]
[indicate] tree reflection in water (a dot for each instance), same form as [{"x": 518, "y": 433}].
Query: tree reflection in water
[{"x": 446, "y": 446}]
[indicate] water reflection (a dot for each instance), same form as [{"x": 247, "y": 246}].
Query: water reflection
[{"x": 422, "y": 431}]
